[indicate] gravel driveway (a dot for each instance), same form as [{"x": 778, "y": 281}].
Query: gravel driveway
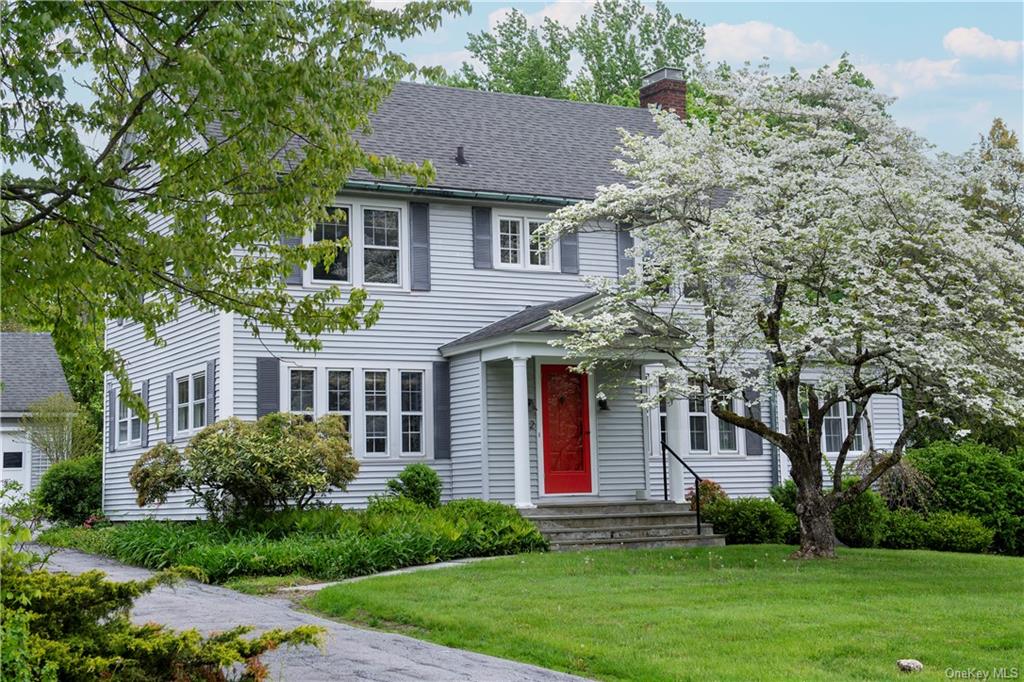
[{"x": 349, "y": 653}]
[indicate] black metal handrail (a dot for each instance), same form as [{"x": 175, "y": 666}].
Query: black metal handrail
[{"x": 665, "y": 452}]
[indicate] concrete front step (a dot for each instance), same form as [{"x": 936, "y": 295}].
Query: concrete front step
[
  {"x": 556, "y": 521},
  {"x": 642, "y": 543},
  {"x": 605, "y": 507},
  {"x": 620, "y": 533}
]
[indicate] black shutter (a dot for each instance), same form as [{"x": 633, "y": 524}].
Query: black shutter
[
  {"x": 442, "y": 412},
  {"x": 171, "y": 414},
  {"x": 570, "y": 253},
  {"x": 754, "y": 442},
  {"x": 482, "y": 237},
  {"x": 295, "y": 276},
  {"x": 625, "y": 242},
  {"x": 419, "y": 224},
  {"x": 211, "y": 391},
  {"x": 145, "y": 422},
  {"x": 268, "y": 386},
  {"x": 112, "y": 421}
]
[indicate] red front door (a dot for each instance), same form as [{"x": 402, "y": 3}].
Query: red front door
[{"x": 566, "y": 424}]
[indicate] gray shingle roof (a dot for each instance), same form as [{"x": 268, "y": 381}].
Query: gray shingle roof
[
  {"x": 517, "y": 321},
  {"x": 29, "y": 370}
]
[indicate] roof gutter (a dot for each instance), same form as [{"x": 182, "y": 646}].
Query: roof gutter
[{"x": 399, "y": 188}]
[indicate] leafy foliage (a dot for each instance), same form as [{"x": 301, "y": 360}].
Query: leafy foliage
[
  {"x": 950, "y": 532},
  {"x": 710, "y": 493},
  {"x": 418, "y": 482},
  {"x": 239, "y": 469},
  {"x": 750, "y": 520},
  {"x": 325, "y": 543},
  {"x": 978, "y": 480},
  {"x": 72, "y": 490},
  {"x": 859, "y": 522},
  {"x": 60, "y": 429},
  {"x": 226, "y": 124},
  {"x": 617, "y": 43},
  {"x": 905, "y": 529}
]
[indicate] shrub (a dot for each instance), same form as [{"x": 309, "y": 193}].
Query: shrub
[
  {"x": 710, "y": 493},
  {"x": 860, "y": 521},
  {"x": 948, "y": 532},
  {"x": 60, "y": 429},
  {"x": 418, "y": 482},
  {"x": 241, "y": 470},
  {"x": 76, "y": 627},
  {"x": 905, "y": 529},
  {"x": 71, "y": 490},
  {"x": 981, "y": 481},
  {"x": 785, "y": 495},
  {"x": 750, "y": 520}
]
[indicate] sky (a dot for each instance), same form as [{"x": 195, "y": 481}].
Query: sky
[{"x": 954, "y": 67}]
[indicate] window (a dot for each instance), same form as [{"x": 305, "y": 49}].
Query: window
[
  {"x": 335, "y": 229},
  {"x": 375, "y": 391},
  {"x": 726, "y": 437},
  {"x": 509, "y": 240},
  {"x": 14, "y": 460},
  {"x": 380, "y": 245},
  {"x": 698, "y": 424},
  {"x": 302, "y": 390},
  {"x": 412, "y": 413},
  {"x": 129, "y": 425},
  {"x": 538, "y": 254},
  {"x": 339, "y": 395},
  {"x": 663, "y": 420},
  {"x": 837, "y": 424},
  {"x": 190, "y": 399}
]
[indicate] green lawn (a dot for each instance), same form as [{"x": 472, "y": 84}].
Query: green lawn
[{"x": 738, "y": 612}]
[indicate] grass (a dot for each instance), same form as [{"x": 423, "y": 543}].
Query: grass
[{"x": 743, "y": 612}]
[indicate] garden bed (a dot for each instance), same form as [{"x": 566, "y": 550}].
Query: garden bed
[{"x": 321, "y": 544}]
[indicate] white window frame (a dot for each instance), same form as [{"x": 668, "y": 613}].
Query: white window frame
[
  {"x": 403, "y": 413},
  {"x": 713, "y": 425},
  {"x": 351, "y": 394},
  {"x": 356, "y": 252},
  {"x": 525, "y": 218},
  {"x": 130, "y": 417},
  {"x": 366, "y": 413},
  {"x": 357, "y": 425},
  {"x": 846, "y": 413},
  {"x": 288, "y": 389},
  {"x": 190, "y": 375},
  {"x": 347, "y": 254}
]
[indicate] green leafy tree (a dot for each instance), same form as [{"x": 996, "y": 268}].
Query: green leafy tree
[
  {"x": 617, "y": 43},
  {"x": 518, "y": 58},
  {"x": 60, "y": 429},
  {"x": 158, "y": 152}
]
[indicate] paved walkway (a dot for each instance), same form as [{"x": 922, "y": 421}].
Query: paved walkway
[{"x": 349, "y": 653}]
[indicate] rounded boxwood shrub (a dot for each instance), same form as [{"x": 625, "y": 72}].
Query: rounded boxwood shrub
[
  {"x": 419, "y": 483},
  {"x": 980, "y": 481},
  {"x": 860, "y": 521},
  {"x": 948, "y": 532},
  {"x": 750, "y": 521},
  {"x": 905, "y": 529},
  {"x": 71, "y": 490}
]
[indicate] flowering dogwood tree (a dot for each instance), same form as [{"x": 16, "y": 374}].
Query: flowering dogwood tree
[{"x": 796, "y": 240}]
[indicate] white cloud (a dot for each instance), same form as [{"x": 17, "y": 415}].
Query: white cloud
[
  {"x": 975, "y": 43},
  {"x": 753, "y": 40},
  {"x": 565, "y": 12},
  {"x": 905, "y": 77},
  {"x": 449, "y": 60}
]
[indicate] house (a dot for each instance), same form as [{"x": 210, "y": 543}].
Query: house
[
  {"x": 459, "y": 372},
  {"x": 29, "y": 372}
]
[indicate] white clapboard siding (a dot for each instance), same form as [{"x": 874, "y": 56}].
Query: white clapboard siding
[{"x": 467, "y": 426}]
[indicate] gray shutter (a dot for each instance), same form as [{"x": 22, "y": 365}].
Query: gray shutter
[
  {"x": 419, "y": 224},
  {"x": 211, "y": 391},
  {"x": 145, "y": 422},
  {"x": 754, "y": 442},
  {"x": 268, "y": 386},
  {"x": 482, "y": 237},
  {"x": 295, "y": 276},
  {"x": 625, "y": 242},
  {"x": 112, "y": 421},
  {"x": 570, "y": 253},
  {"x": 170, "y": 408},
  {"x": 442, "y": 412}
]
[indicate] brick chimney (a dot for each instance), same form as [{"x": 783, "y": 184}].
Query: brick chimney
[{"x": 666, "y": 89}]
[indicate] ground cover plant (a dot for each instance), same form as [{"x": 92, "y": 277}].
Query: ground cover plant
[
  {"x": 730, "y": 613},
  {"x": 326, "y": 543}
]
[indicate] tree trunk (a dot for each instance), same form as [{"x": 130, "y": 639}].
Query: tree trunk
[{"x": 817, "y": 533}]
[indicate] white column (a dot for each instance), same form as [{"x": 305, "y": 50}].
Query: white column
[
  {"x": 675, "y": 418},
  {"x": 521, "y": 433}
]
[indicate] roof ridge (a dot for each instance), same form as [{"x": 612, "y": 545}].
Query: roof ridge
[{"x": 438, "y": 86}]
